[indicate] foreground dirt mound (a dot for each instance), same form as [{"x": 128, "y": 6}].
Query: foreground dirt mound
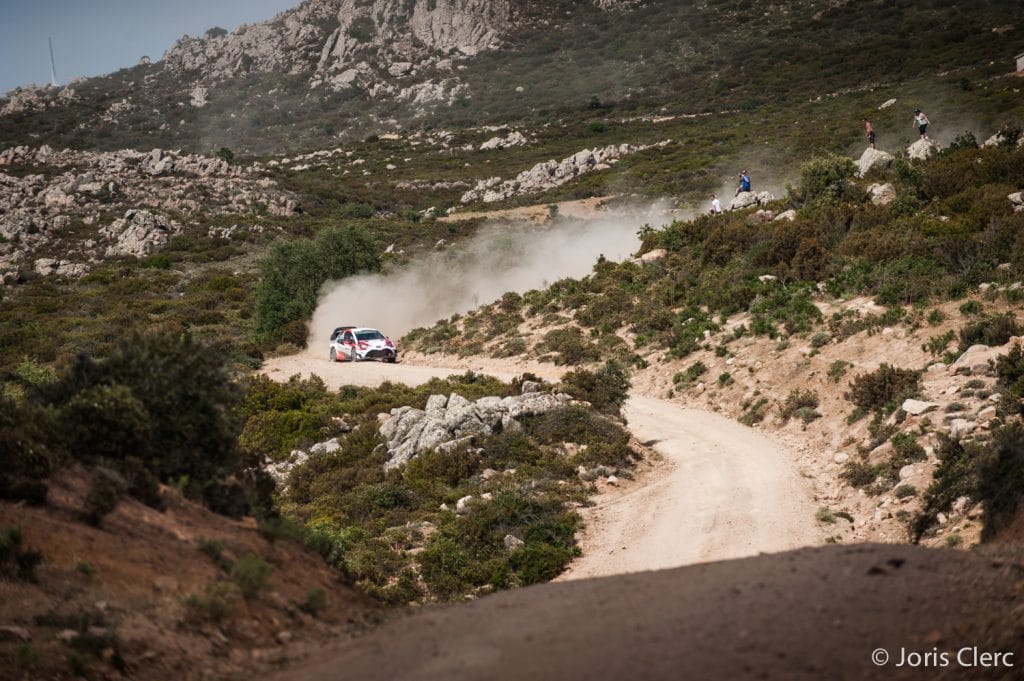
[
  {"x": 808, "y": 614},
  {"x": 131, "y": 598}
]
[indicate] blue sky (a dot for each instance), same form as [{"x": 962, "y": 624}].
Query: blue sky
[{"x": 93, "y": 37}]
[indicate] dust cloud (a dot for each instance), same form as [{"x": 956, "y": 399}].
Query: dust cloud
[{"x": 501, "y": 257}]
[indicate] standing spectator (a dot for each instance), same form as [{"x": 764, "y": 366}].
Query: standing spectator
[
  {"x": 716, "y": 205},
  {"x": 869, "y": 132},
  {"x": 921, "y": 121}
]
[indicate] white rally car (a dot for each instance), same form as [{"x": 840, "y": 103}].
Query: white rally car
[{"x": 351, "y": 343}]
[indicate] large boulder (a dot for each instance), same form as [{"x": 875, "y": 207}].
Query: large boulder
[
  {"x": 747, "y": 199},
  {"x": 882, "y": 194},
  {"x": 451, "y": 421},
  {"x": 922, "y": 149},
  {"x": 1017, "y": 199},
  {"x": 871, "y": 158}
]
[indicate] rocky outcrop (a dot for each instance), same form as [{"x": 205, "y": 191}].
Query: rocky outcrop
[
  {"x": 1017, "y": 200},
  {"x": 448, "y": 422},
  {"x": 922, "y": 149},
  {"x": 551, "y": 174},
  {"x": 513, "y": 139},
  {"x": 871, "y": 158},
  {"x": 138, "y": 233},
  {"x": 882, "y": 194},
  {"x": 748, "y": 199},
  {"x": 62, "y": 201}
]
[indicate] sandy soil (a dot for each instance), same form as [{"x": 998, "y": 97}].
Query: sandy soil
[
  {"x": 803, "y": 615},
  {"x": 412, "y": 369},
  {"x": 721, "y": 491}
]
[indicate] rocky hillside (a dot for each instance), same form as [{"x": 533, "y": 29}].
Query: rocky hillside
[
  {"x": 869, "y": 321},
  {"x": 62, "y": 212}
]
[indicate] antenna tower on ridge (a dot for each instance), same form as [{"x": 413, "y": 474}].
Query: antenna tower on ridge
[{"x": 53, "y": 66}]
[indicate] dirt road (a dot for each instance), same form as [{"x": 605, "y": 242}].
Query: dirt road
[{"x": 721, "y": 491}]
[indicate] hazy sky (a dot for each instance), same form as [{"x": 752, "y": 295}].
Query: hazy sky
[{"x": 93, "y": 37}]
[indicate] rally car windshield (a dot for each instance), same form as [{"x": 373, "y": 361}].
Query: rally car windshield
[{"x": 369, "y": 335}]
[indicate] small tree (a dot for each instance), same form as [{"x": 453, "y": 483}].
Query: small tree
[
  {"x": 216, "y": 32},
  {"x": 294, "y": 271}
]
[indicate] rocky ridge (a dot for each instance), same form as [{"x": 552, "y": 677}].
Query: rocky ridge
[
  {"x": 58, "y": 208},
  {"x": 450, "y": 421},
  {"x": 550, "y": 174}
]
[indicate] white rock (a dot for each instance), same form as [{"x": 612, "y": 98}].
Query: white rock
[
  {"x": 918, "y": 407},
  {"x": 512, "y": 542},
  {"x": 841, "y": 457},
  {"x": 462, "y": 505},
  {"x": 871, "y": 158},
  {"x": 882, "y": 194},
  {"x": 922, "y": 149},
  {"x": 789, "y": 215},
  {"x": 886, "y": 104}
]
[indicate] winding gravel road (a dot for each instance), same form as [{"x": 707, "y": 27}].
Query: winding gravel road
[{"x": 721, "y": 490}]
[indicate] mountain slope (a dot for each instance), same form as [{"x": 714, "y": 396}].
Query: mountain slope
[{"x": 340, "y": 68}]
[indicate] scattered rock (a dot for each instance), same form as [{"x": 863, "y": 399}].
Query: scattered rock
[
  {"x": 922, "y": 149},
  {"x": 882, "y": 194},
  {"x": 918, "y": 407},
  {"x": 1017, "y": 199},
  {"x": 960, "y": 428},
  {"x": 462, "y": 505},
  {"x": 512, "y": 542},
  {"x": 786, "y": 215},
  {"x": 747, "y": 199},
  {"x": 13, "y": 633},
  {"x": 841, "y": 457},
  {"x": 871, "y": 158},
  {"x": 886, "y": 104}
]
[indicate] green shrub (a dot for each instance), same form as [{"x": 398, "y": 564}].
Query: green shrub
[
  {"x": 172, "y": 400},
  {"x": 536, "y": 563},
  {"x": 1010, "y": 372},
  {"x": 905, "y": 450},
  {"x": 251, "y": 574},
  {"x": 690, "y": 375},
  {"x": 17, "y": 562},
  {"x": 904, "y": 491},
  {"x": 860, "y": 474},
  {"x": 606, "y": 389},
  {"x": 218, "y": 602},
  {"x": 755, "y": 413},
  {"x": 824, "y": 515},
  {"x": 315, "y": 603},
  {"x": 214, "y": 550},
  {"x": 725, "y": 378},
  {"x": 820, "y": 339},
  {"x": 837, "y": 370},
  {"x": 106, "y": 421},
  {"x": 29, "y": 449},
  {"x": 293, "y": 272},
  {"x": 825, "y": 180},
  {"x": 937, "y": 345},
  {"x": 570, "y": 344},
  {"x": 971, "y": 308},
  {"x": 883, "y": 388},
  {"x": 104, "y": 494},
  {"x": 800, "y": 403},
  {"x": 993, "y": 330}
]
